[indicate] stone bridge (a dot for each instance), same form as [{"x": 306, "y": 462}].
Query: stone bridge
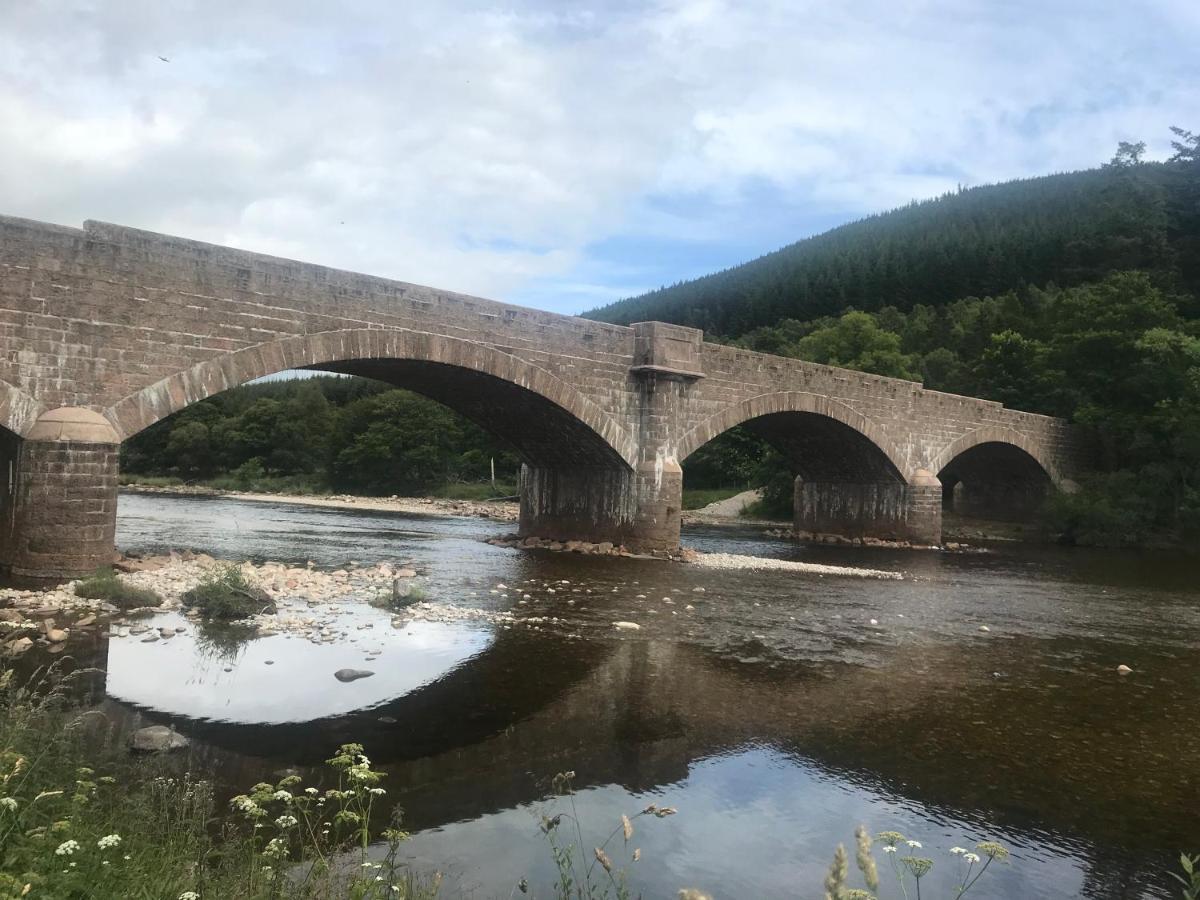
[{"x": 106, "y": 330}]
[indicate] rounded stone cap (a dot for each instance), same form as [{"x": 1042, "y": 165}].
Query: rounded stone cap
[
  {"x": 73, "y": 423},
  {"x": 924, "y": 478}
]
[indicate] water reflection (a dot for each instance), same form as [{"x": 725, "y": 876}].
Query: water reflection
[{"x": 772, "y": 713}]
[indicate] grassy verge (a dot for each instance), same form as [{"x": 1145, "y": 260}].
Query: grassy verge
[
  {"x": 474, "y": 491},
  {"x": 695, "y": 498},
  {"x": 105, "y": 584}
]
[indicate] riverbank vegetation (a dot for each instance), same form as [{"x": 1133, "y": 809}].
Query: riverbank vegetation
[
  {"x": 105, "y": 584},
  {"x": 321, "y": 435}
]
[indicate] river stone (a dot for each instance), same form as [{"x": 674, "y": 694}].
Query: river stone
[
  {"x": 56, "y": 635},
  {"x": 157, "y": 738},
  {"x": 627, "y": 626},
  {"x": 351, "y": 674},
  {"x": 19, "y": 646},
  {"x": 11, "y": 615},
  {"x": 1123, "y": 669}
]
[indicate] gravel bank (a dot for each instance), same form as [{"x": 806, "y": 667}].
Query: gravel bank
[{"x": 736, "y": 561}]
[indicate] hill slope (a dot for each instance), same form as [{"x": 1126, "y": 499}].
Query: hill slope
[{"x": 1068, "y": 229}]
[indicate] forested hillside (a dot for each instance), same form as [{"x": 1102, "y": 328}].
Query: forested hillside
[
  {"x": 1074, "y": 295},
  {"x": 1065, "y": 229}
]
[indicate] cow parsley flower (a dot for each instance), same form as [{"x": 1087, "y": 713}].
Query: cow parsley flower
[
  {"x": 282, "y": 795},
  {"x": 66, "y": 848},
  {"x": 109, "y": 840},
  {"x": 286, "y": 822},
  {"x": 189, "y": 895},
  {"x": 972, "y": 858},
  {"x": 958, "y": 851},
  {"x": 915, "y": 844}
]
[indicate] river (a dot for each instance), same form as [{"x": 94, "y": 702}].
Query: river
[{"x": 765, "y": 707}]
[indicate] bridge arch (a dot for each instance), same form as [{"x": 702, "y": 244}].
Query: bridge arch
[
  {"x": 778, "y": 407},
  {"x": 486, "y": 385},
  {"x": 998, "y": 434},
  {"x": 996, "y": 473}
]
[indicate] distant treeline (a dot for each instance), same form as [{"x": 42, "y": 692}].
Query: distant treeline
[
  {"x": 345, "y": 434},
  {"x": 1064, "y": 229}
]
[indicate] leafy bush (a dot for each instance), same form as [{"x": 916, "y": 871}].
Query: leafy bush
[
  {"x": 406, "y": 595},
  {"x": 225, "y": 594},
  {"x": 104, "y": 584}
]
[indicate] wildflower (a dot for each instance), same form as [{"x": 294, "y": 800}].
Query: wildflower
[
  {"x": 282, "y": 795},
  {"x": 243, "y": 804},
  {"x": 993, "y": 850},
  {"x": 9, "y": 803},
  {"x": 127, "y": 856},
  {"x": 378, "y": 792},
  {"x": 603, "y": 859},
  {"x": 916, "y": 844},
  {"x": 889, "y": 849},
  {"x": 109, "y": 840},
  {"x": 958, "y": 851},
  {"x": 972, "y": 858},
  {"x": 286, "y": 822},
  {"x": 310, "y": 790},
  {"x": 917, "y": 865},
  {"x": 189, "y": 895},
  {"x": 626, "y": 827},
  {"x": 267, "y": 870},
  {"x": 276, "y": 847},
  {"x": 66, "y": 848}
]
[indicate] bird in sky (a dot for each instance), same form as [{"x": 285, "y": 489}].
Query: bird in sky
[{"x": 164, "y": 59}]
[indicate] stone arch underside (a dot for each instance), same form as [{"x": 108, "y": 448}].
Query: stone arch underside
[
  {"x": 545, "y": 419},
  {"x": 994, "y": 473},
  {"x": 18, "y": 410},
  {"x": 996, "y": 434},
  {"x": 825, "y": 440}
]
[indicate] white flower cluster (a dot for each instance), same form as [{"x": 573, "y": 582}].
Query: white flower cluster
[
  {"x": 109, "y": 840},
  {"x": 286, "y": 822},
  {"x": 66, "y": 848},
  {"x": 9, "y": 803},
  {"x": 282, "y": 795},
  {"x": 189, "y": 895}
]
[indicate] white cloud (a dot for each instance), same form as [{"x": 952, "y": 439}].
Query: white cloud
[{"x": 485, "y": 150}]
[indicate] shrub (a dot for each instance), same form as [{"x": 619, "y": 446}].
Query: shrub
[
  {"x": 104, "y": 584},
  {"x": 398, "y": 597},
  {"x": 225, "y": 594}
]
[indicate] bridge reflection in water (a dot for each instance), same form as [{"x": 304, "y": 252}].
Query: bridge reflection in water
[{"x": 770, "y": 763}]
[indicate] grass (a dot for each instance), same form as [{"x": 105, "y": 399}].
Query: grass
[
  {"x": 406, "y": 594},
  {"x": 695, "y": 498},
  {"x": 104, "y": 584},
  {"x": 81, "y": 818},
  {"x": 225, "y": 595},
  {"x": 474, "y": 491}
]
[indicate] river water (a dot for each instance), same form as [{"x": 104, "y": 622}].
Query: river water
[{"x": 771, "y": 713}]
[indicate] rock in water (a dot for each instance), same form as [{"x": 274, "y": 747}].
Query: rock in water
[
  {"x": 351, "y": 674},
  {"x": 157, "y": 738},
  {"x": 1123, "y": 669},
  {"x": 626, "y": 626}
]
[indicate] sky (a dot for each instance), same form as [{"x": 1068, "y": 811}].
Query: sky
[{"x": 559, "y": 154}]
